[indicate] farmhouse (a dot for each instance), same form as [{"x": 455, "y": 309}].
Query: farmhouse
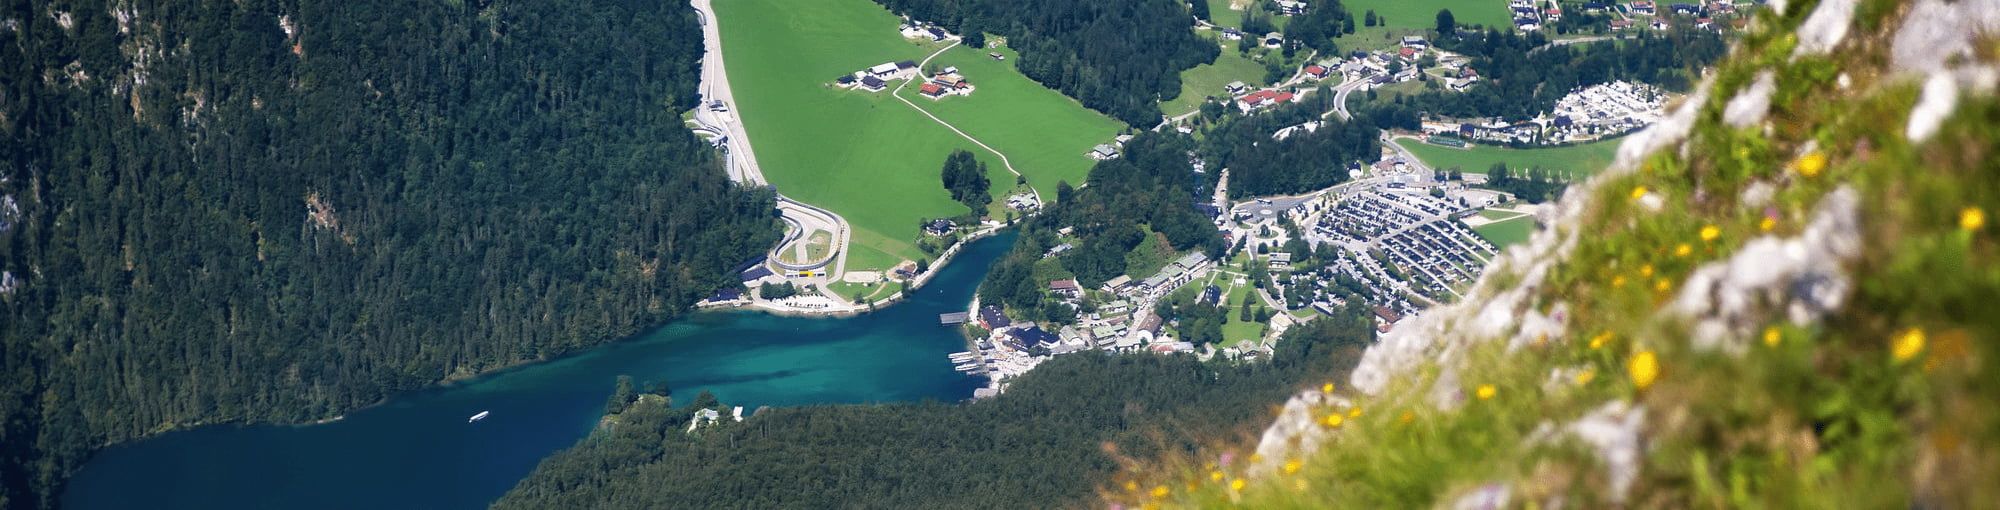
[
  {"x": 1291, "y": 7},
  {"x": 1103, "y": 152},
  {"x": 1318, "y": 72},
  {"x": 1262, "y": 99},
  {"x": 1235, "y": 87},
  {"x": 1065, "y": 288},
  {"x": 872, "y": 84}
]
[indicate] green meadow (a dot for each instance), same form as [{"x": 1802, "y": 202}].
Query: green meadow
[
  {"x": 1584, "y": 159},
  {"x": 1422, "y": 14},
  {"x": 866, "y": 155},
  {"x": 1206, "y": 80},
  {"x": 1506, "y": 233},
  {"x": 1044, "y": 133}
]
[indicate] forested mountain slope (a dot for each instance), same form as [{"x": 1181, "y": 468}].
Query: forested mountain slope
[
  {"x": 1119, "y": 57},
  {"x": 279, "y": 210},
  {"x": 1781, "y": 296}
]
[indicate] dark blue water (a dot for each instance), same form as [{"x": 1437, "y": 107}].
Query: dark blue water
[{"x": 417, "y": 451}]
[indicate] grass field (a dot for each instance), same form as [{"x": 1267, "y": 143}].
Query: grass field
[
  {"x": 865, "y": 155},
  {"x": 1584, "y": 159},
  {"x": 1206, "y": 80},
  {"x": 1422, "y": 14},
  {"x": 1044, "y": 133},
  {"x": 1220, "y": 14},
  {"x": 1507, "y": 232}
]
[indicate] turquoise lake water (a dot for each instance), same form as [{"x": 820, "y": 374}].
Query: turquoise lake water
[{"x": 417, "y": 451}]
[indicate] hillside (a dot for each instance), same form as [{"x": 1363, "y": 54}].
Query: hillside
[
  {"x": 278, "y": 211},
  {"x": 1778, "y": 297}
]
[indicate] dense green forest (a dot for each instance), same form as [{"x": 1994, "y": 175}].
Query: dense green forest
[
  {"x": 965, "y": 178},
  {"x": 280, "y": 210},
  {"x": 1053, "y": 439},
  {"x": 1305, "y": 160},
  {"x": 1522, "y": 76},
  {"x": 1149, "y": 191},
  {"x": 1120, "y": 57}
]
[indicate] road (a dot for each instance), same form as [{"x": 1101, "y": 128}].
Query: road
[
  {"x": 898, "y": 94},
  {"x": 742, "y": 160}
]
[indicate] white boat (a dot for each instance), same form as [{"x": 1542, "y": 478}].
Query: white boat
[
  {"x": 477, "y": 417},
  {"x": 968, "y": 367}
]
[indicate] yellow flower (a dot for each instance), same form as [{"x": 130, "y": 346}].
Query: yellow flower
[
  {"x": 1709, "y": 233},
  {"x": 1354, "y": 413},
  {"x": 1767, "y": 224},
  {"x": 1585, "y": 376},
  {"x": 1292, "y": 467},
  {"x": 1618, "y": 281},
  {"x": 1907, "y": 344},
  {"x": 1161, "y": 491},
  {"x": 1326, "y": 388},
  {"x": 1772, "y": 336},
  {"x": 1742, "y": 153},
  {"x": 1131, "y": 486},
  {"x": 1646, "y": 270},
  {"x": 1237, "y": 484},
  {"x": 1332, "y": 421},
  {"x": 1486, "y": 391},
  {"x": 1644, "y": 368},
  {"x": 1663, "y": 285},
  {"x": 1810, "y": 164},
  {"x": 1407, "y": 417},
  {"x": 1638, "y": 192},
  {"x": 1683, "y": 250},
  {"x": 1215, "y": 476},
  {"x": 1598, "y": 341},
  {"x": 1971, "y": 219}
]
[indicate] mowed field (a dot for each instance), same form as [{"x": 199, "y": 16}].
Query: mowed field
[
  {"x": 1506, "y": 233},
  {"x": 866, "y": 156},
  {"x": 1044, "y": 133},
  {"x": 1582, "y": 159},
  {"x": 1203, "y": 81},
  {"x": 1422, "y": 14}
]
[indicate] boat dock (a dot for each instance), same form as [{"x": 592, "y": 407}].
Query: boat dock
[{"x": 954, "y": 318}]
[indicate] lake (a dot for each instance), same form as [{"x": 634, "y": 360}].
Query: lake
[{"x": 417, "y": 451}]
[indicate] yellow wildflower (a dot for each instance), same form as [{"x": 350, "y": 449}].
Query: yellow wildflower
[
  {"x": 1256, "y": 458},
  {"x": 1354, "y": 413},
  {"x": 1644, "y": 368},
  {"x": 1215, "y": 476},
  {"x": 1907, "y": 344},
  {"x": 1683, "y": 250},
  {"x": 1646, "y": 270},
  {"x": 1638, "y": 192},
  {"x": 1407, "y": 417},
  {"x": 1161, "y": 491},
  {"x": 1618, "y": 281},
  {"x": 1292, "y": 467},
  {"x": 1772, "y": 336},
  {"x": 1742, "y": 153},
  {"x": 1971, "y": 219},
  {"x": 1585, "y": 376},
  {"x": 1810, "y": 164},
  {"x": 1598, "y": 341},
  {"x": 1237, "y": 484},
  {"x": 1332, "y": 421},
  {"x": 1767, "y": 224},
  {"x": 1663, "y": 285},
  {"x": 1131, "y": 486},
  {"x": 1486, "y": 391},
  {"x": 1326, "y": 388},
  {"x": 1710, "y": 232}
]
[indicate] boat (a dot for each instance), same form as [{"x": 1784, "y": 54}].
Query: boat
[
  {"x": 968, "y": 367},
  {"x": 477, "y": 417}
]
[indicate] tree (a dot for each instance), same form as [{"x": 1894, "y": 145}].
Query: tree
[
  {"x": 1347, "y": 25},
  {"x": 1200, "y": 9},
  {"x": 1447, "y": 25},
  {"x": 1369, "y": 19},
  {"x": 965, "y": 178},
  {"x": 622, "y": 397}
]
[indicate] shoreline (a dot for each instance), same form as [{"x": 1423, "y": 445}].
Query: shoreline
[{"x": 916, "y": 283}]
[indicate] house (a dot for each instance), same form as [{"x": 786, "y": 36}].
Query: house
[
  {"x": 1235, "y": 88},
  {"x": 1317, "y": 71},
  {"x": 1210, "y": 294},
  {"x": 1059, "y": 249},
  {"x": 1065, "y": 288},
  {"x": 1466, "y": 73},
  {"x": 937, "y": 34},
  {"x": 872, "y": 84},
  {"x": 1620, "y": 24},
  {"x": 1388, "y": 316},
  {"x": 1407, "y": 53},
  {"x": 1121, "y": 139},
  {"x": 1527, "y": 24},
  {"x": 1116, "y": 284},
  {"x": 1291, "y": 7},
  {"x": 1034, "y": 336},
  {"x": 1411, "y": 41},
  {"x": 845, "y": 81},
  {"x": 885, "y": 70},
  {"x": 1232, "y": 34},
  {"x": 931, "y": 90},
  {"x": 939, "y": 227},
  {"x": 1261, "y": 99},
  {"x": 1103, "y": 152},
  {"x": 906, "y": 66},
  {"x": 1273, "y": 39},
  {"x": 991, "y": 318},
  {"x": 1281, "y": 260},
  {"x": 1685, "y": 8},
  {"x": 1643, "y": 7}
]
